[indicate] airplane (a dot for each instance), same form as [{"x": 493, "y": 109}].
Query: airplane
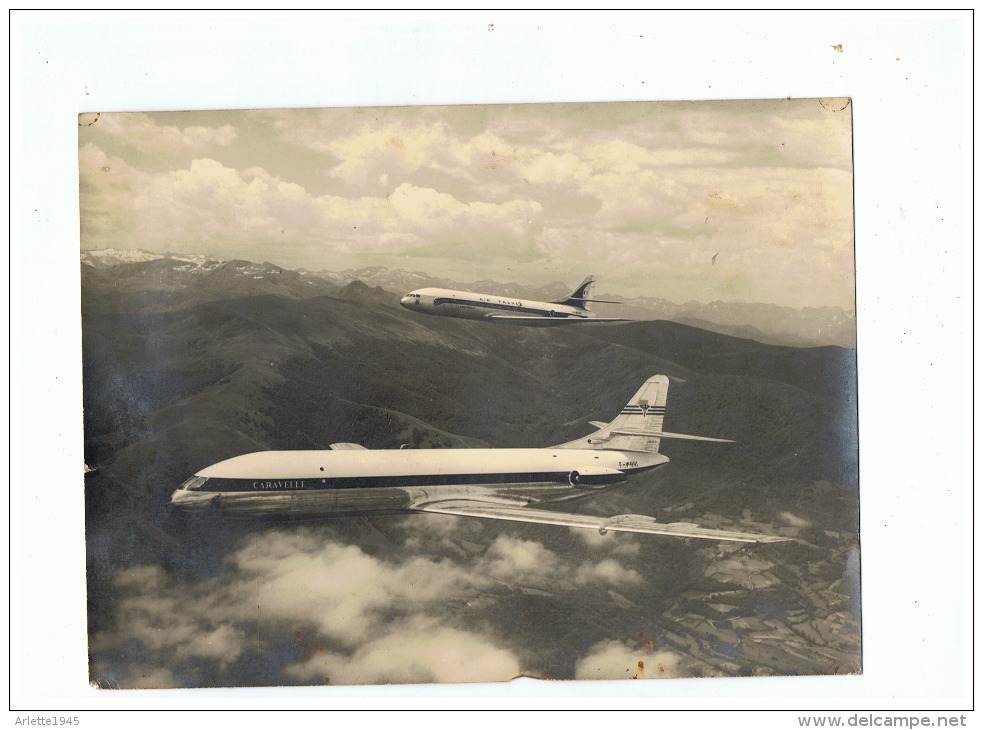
[
  {"x": 520, "y": 485},
  {"x": 572, "y": 309}
]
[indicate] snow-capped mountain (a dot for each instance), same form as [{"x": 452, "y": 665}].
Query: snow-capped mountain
[{"x": 106, "y": 258}]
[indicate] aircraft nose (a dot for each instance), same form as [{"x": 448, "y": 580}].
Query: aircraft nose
[
  {"x": 188, "y": 500},
  {"x": 406, "y": 301}
]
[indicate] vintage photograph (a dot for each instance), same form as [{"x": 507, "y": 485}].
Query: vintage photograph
[{"x": 453, "y": 394}]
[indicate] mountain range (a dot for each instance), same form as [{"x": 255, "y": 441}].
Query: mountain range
[{"x": 768, "y": 323}]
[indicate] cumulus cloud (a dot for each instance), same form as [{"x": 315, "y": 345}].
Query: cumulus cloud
[
  {"x": 510, "y": 559},
  {"x": 345, "y": 593},
  {"x": 643, "y": 196},
  {"x": 107, "y": 187},
  {"x": 169, "y": 621},
  {"x": 413, "y": 651},
  {"x": 607, "y": 571},
  {"x": 800, "y": 133},
  {"x": 358, "y": 604},
  {"x": 443, "y": 219},
  {"x": 357, "y": 617},
  {"x": 394, "y": 149},
  {"x": 406, "y": 145},
  {"x": 232, "y": 213},
  {"x": 139, "y": 130}
]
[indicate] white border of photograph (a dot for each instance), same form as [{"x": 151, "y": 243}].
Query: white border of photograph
[{"x": 908, "y": 75}]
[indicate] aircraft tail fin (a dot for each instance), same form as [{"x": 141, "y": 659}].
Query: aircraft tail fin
[
  {"x": 639, "y": 425},
  {"x": 579, "y": 297}
]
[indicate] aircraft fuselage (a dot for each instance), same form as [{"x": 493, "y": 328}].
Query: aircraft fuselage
[
  {"x": 468, "y": 305},
  {"x": 374, "y": 482}
]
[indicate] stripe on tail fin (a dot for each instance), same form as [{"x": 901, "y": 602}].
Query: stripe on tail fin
[
  {"x": 639, "y": 425},
  {"x": 641, "y": 417},
  {"x": 579, "y": 297}
]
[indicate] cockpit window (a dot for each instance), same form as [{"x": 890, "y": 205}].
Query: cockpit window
[{"x": 194, "y": 483}]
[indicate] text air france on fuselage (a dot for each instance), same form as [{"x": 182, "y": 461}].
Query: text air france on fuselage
[{"x": 572, "y": 309}]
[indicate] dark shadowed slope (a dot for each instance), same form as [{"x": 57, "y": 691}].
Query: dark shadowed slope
[{"x": 167, "y": 393}]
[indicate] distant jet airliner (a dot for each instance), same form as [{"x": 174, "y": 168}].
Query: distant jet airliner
[
  {"x": 573, "y": 309},
  {"x": 500, "y": 484}
]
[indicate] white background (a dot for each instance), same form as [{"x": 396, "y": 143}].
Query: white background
[{"x": 909, "y": 77}]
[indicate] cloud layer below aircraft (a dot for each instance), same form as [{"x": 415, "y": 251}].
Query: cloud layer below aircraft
[{"x": 304, "y": 607}]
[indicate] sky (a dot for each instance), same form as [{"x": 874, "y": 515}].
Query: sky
[{"x": 725, "y": 200}]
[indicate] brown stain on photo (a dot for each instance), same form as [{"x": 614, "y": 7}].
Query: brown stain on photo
[
  {"x": 838, "y": 48},
  {"x": 718, "y": 201},
  {"x": 832, "y": 105}
]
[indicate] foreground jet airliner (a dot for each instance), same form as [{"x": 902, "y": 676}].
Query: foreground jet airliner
[
  {"x": 500, "y": 484},
  {"x": 572, "y": 309}
]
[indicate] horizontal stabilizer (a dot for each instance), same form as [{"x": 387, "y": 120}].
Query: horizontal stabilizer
[
  {"x": 347, "y": 447},
  {"x": 620, "y": 523},
  {"x": 582, "y": 299},
  {"x": 637, "y": 426},
  {"x": 666, "y": 435}
]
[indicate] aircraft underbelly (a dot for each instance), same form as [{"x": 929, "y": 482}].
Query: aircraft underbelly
[
  {"x": 366, "y": 501},
  {"x": 295, "y": 502},
  {"x": 460, "y": 311},
  {"x": 539, "y": 318}
]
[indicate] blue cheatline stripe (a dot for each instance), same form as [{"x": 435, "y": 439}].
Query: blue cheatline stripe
[
  {"x": 503, "y": 307},
  {"x": 220, "y": 484},
  {"x": 362, "y": 482}
]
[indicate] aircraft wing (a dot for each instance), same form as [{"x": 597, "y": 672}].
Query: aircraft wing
[
  {"x": 620, "y": 523},
  {"x": 549, "y": 321}
]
